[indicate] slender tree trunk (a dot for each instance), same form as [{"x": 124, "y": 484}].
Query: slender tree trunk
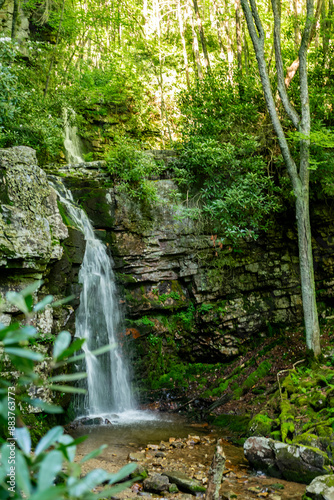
[
  {"x": 202, "y": 36},
  {"x": 14, "y": 18},
  {"x": 246, "y": 52},
  {"x": 300, "y": 180},
  {"x": 229, "y": 43},
  {"x": 238, "y": 34},
  {"x": 195, "y": 45},
  {"x": 183, "y": 41},
  {"x": 216, "y": 11},
  {"x": 296, "y": 5}
]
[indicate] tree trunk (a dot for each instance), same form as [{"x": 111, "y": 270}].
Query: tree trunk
[
  {"x": 299, "y": 180},
  {"x": 183, "y": 41},
  {"x": 307, "y": 273},
  {"x": 14, "y": 18},
  {"x": 216, "y": 12},
  {"x": 202, "y": 36},
  {"x": 195, "y": 46},
  {"x": 238, "y": 34}
]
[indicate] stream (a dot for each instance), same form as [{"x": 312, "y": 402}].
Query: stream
[{"x": 184, "y": 447}]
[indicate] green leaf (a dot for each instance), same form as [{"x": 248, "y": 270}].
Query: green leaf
[
  {"x": 69, "y": 377},
  {"x": 67, "y": 388},
  {"x": 53, "y": 493},
  {"x": 5, "y": 330},
  {"x": 93, "y": 454},
  {"x": 30, "y": 289},
  {"x": 87, "y": 483},
  {"x": 49, "y": 468},
  {"x": 67, "y": 446},
  {"x": 17, "y": 300},
  {"x": 123, "y": 473},
  {"x": 97, "y": 352},
  {"x": 44, "y": 302},
  {"x": 24, "y": 353},
  {"x": 22, "y": 474},
  {"x": 48, "y": 408},
  {"x": 75, "y": 346},
  {"x": 61, "y": 302},
  {"x": 111, "y": 492},
  {"x": 49, "y": 439},
  {"x": 23, "y": 439},
  {"x": 62, "y": 342},
  {"x": 5, "y": 451},
  {"x": 19, "y": 335}
]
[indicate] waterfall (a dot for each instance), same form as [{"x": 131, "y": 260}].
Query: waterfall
[
  {"x": 72, "y": 142},
  {"x": 98, "y": 320}
]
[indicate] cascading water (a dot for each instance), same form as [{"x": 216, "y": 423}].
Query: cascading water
[
  {"x": 98, "y": 321},
  {"x": 72, "y": 142}
]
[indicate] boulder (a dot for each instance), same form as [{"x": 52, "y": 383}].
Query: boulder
[
  {"x": 156, "y": 483},
  {"x": 294, "y": 463},
  {"x": 321, "y": 488},
  {"x": 184, "y": 483}
]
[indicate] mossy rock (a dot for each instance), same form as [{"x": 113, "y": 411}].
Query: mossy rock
[
  {"x": 306, "y": 439},
  {"x": 261, "y": 425}
]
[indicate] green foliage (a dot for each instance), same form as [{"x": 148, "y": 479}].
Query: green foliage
[
  {"x": 261, "y": 371},
  {"x": 204, "y": 308},
  {"x": 187, "y": 317},
  {"x": 173, "y": 295},
  {"x": 147, "y": 322},
  {"x": 50, "y": 470},
  {"x": 236, "y": 193},
  {"x": 25, "y": 117},
  {"x": 131, "y": 169},
  {"x": 214, "y": 107}
]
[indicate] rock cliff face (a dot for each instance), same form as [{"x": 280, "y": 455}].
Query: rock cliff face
[
  {"x": 184, "y": 297},
  {"x": 32, "y": 234}
]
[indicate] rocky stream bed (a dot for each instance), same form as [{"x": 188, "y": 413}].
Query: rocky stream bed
[{"x": 168, "y": 447}]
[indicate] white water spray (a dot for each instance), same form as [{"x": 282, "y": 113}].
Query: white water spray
[
  {"x": 72, "y": 142},
  {"x": 98, "y": 321}
]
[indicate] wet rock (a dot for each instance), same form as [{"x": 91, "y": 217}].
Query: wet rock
[
  {"x": 154, "y": 447},
  {"x": 184, "y": 483},
  {"x": 91, "y": 421},
  {"x": 160, "y": 454},
  {"x": 156, "y": 483},
  {"x": 177, "y": 444},
  {"x": 136, "y": 456},
  {"x": 321, "y": 488},
  {"x": 294, "y": 463}
]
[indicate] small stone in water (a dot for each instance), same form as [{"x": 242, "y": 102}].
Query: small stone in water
[{"x": 153, "y": 447}]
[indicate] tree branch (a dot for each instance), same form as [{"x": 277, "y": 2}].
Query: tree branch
[
  {"x": 305, "y": 124},
  {"x": 260, "y": 57},
  {"x": 293, "y": 68},
  {"x": 290, "y": 110}
]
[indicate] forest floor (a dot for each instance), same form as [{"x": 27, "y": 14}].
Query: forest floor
[{"x": 253, "y": 378}]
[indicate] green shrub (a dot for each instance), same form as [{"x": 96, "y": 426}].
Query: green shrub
[{"x": 132, "y": 168}]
